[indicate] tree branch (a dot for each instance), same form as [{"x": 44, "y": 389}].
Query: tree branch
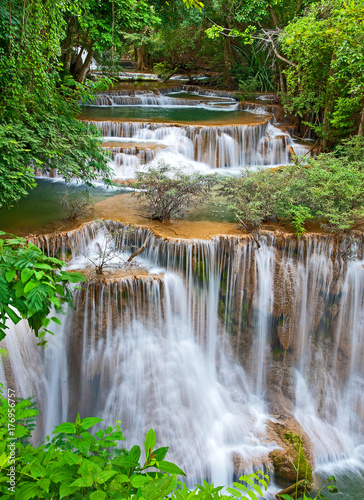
[
  {"x": 140, "y": 250},
  {"x": 247, "y": 229}
]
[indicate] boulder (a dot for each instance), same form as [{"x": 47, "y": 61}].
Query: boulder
[{"x": 293, "y": 460}]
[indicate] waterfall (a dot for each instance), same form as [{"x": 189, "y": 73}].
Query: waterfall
[
  {"x": 212, "y": 146},
  {"x": 158, "y": 99},
  {"x": 209, "y": 341}
]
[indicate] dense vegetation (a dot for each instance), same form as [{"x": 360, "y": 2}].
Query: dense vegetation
[
  {"x": 38, "y": 107},
  {"x": 31, "y": 285},
  {"x": 328, "y": 189},
  {"x": 79, "y": 464}
]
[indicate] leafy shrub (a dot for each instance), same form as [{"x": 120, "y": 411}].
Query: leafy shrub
[
  {"x": 75, "y": 204},
  {"x": 162, "y": 69},
  {"x": 31, "y": 284},
  {"x": 248, "y": 87},
  {"x": 80, "y": 465},
  {"x": 169, "y": 192},
  {"x": 329, "y": 189},
  {"x": 77, "y": 464}
]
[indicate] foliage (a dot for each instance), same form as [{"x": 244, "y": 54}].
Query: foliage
[
  {"x": 329, "y": 485},
  {"x": 327, "y": 74},
  {"x": 162, "y": 69},
  {"x": 75, "y": 204},
  {"x": 31, "y": 285},
  {"x": 80, "y": 465},
  {"x": 39, "y": 108},
  {"x": 169, "y": 192},
  {"x": 330, "y": 189}
]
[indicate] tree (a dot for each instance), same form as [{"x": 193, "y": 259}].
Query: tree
[
  {"x": 38, "y": 109},
  {"x": 31, "y": 285},
  {"x": 169, "y": 192},
  {"x": 327, "y": 77}
]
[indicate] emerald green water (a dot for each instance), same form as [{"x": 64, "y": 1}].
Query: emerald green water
[
  {"x": 41, "y": 207},
  {"x": 171, "y": 114}
]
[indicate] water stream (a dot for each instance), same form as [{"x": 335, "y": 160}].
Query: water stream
[
  {"x": 213, "y": 340},
  {"x": 206, "y": 341}
]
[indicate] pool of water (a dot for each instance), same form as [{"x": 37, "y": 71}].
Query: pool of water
[
  {"x": 42, "y": 206},
  {"x": 175, "y": 114}
]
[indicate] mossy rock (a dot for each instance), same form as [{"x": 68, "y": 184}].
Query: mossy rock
[{"x": 290, "y": 462}]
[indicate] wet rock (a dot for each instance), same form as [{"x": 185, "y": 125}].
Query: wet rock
[{"x": 293, "y": 461}]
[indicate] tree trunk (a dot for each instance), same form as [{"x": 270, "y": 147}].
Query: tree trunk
[
  {"x": 227, "y": 60},
  {"x": 67, "y": 50},
  {"x": 328, "y": 106},
  {"x": 76, "y": 62},
  {"x": 281, "y": 77},
  {"x": 86, "y": 65},
  {"x": 141, "y": 58},
  {"x": 361, "y": 126}
]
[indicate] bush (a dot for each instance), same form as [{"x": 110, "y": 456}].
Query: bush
[
  {"x": 31, "y": 285},
  {"x": 169, "y": 192},
  {"x": 80, "y": 465},
  {"x": 75, "y": 204},
  {"x": 162, "y": 69},
  {"x": 329, "y": 189}
]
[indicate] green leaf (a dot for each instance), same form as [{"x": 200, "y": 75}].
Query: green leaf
[
  {"x": 258, "y": 489},
  {"x": 252, "y": 495},
  {"x": 285, "y": 496},
  {"x": 105, "y": 476},
  {"x": 84, "y": 481},
  {"x": 40, "y": 265},
  {"x": 12, "y": 314},
  {"x": 66, "y": 490},
  {"x": 25, "y": 274},
  {"x": 65, "y": 428},
  {"x": 149, "y": 442},
  {"x": 170, "y": 468},
  {"x": 10, "y": 276},
  {"x": 44, "y": 484},
  {"x": 235, "y": 493},
  {"x": 30, "y": 285},
  {"x": 333, "y": 489},
  {"x": 122, "y": 478},
  {"x": 138, "y": 481},
  {"x": 134, "y": 453},
  {"x": 88, "y": 422},
  {"x": 125, "y": 461},
  {"x": 29, "y": 490},
  {"x": 160, "y": 453},
  {"x": 158, "y": 488},
  {"x": 98, "y": 495}
]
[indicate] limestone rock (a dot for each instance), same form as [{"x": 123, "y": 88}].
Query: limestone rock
[{"x": 294, "y": 460}]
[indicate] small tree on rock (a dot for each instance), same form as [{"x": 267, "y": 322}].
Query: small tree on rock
[{"x": 169, "y": 192}]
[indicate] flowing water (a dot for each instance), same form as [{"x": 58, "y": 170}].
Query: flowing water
[
  {"x": 206, "y": 341},
  {"x": 199, "y": 130},
  {"x": 213, "y": 340}
]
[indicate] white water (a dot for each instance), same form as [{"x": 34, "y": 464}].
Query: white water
[
  {"x": 189, "y": 350},
  {"x": 204, "y": 148}
]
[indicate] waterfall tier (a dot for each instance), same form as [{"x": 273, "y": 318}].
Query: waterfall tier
[
  {"x": 220, "y": 337},
  {"x": 212, "y": 146}
]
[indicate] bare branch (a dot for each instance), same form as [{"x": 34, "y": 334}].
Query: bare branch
[
  {"x": 140, "y": 250},
  {"x": 247, "y": 229}
]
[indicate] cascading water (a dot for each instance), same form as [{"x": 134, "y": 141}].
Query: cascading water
[
  {"x": 210, "y": 146},
  {"x": 218, "y": 337}
]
